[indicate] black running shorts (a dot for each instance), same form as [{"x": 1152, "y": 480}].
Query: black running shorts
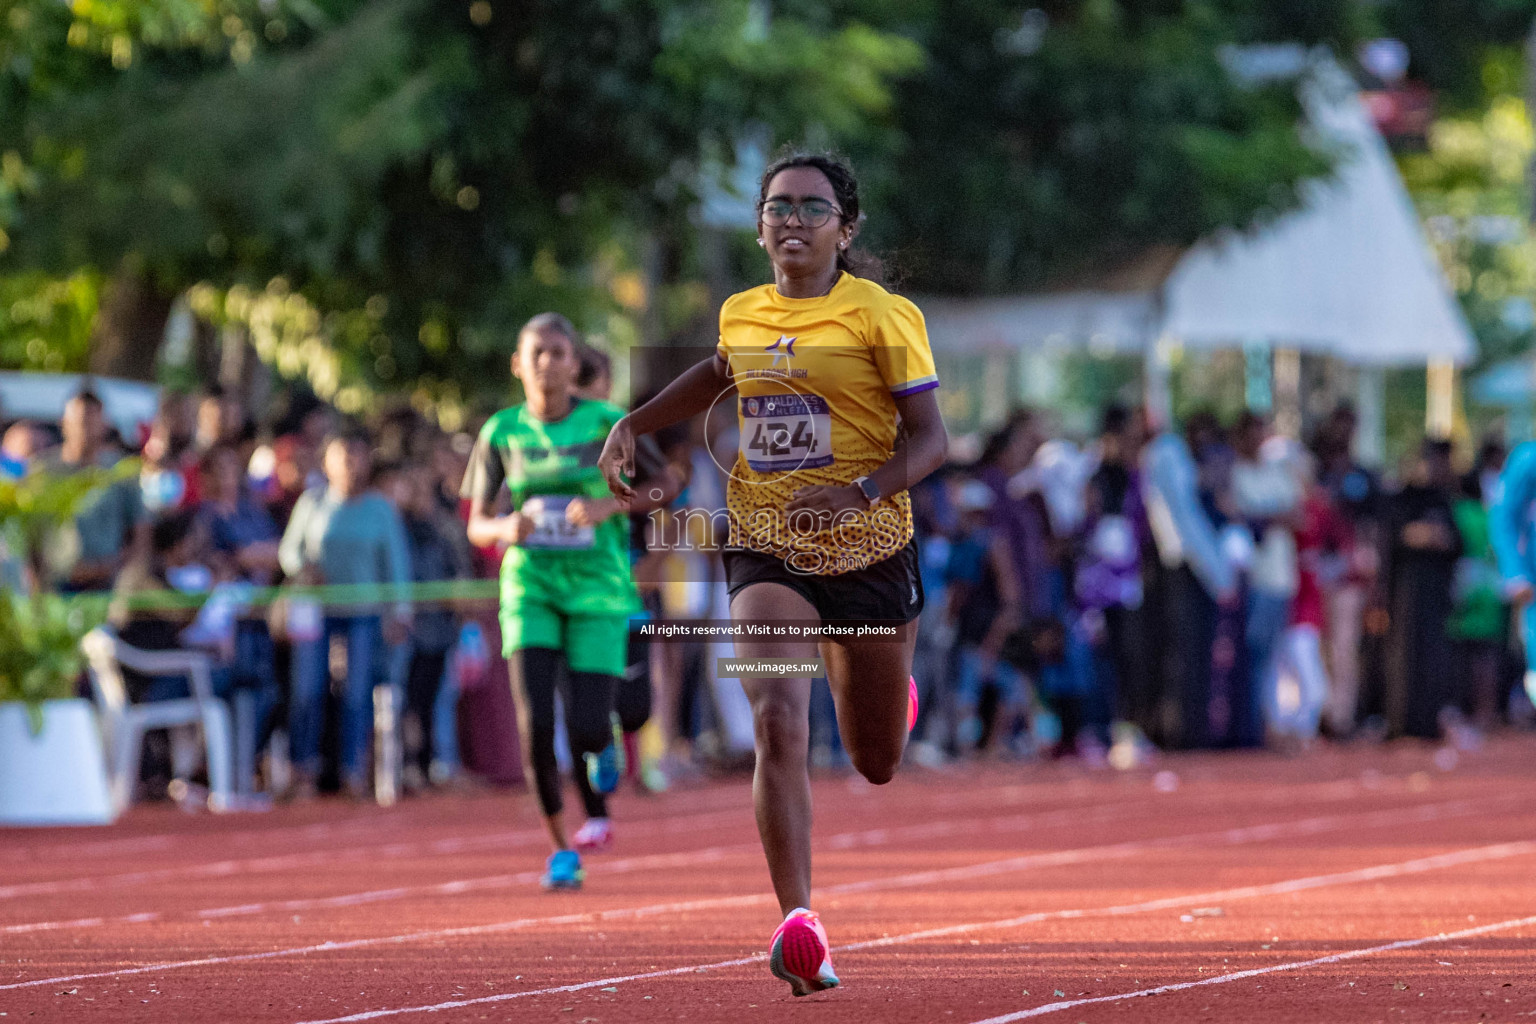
[{"x": 888, "y": 591}]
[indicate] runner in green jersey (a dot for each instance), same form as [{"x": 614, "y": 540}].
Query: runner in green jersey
[{"x": 566, "y": 591}]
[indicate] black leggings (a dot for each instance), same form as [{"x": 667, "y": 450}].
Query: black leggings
[
  {"x": 632, "y": 704},
  {"x": 422, "y": 684},
  {"x": 588, "y": 698}
]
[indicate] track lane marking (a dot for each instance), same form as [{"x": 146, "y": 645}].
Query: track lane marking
[
  {"x": 343, "y": 821},
  {"x": 26, "y": 853},
  {"x": 1055, "y": 858},
  {"x": 1331, "y": 790},
  {"x": 288, "y": 861},
  {"x": 660, "y": 823},
  {"x": 1296, "y": 965},
  {"x": 1378, "y": 872},
  {"x": 1500, "y": 851},
  {"x": 842, "y": 841}
]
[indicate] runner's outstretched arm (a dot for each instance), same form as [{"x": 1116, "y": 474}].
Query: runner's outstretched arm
[
  {"x": 486, "y": 529},
  {"x": 693, "y": 392}
]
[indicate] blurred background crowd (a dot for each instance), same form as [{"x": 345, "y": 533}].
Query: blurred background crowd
[
  {"x": 1261, "y": 277},
  {"x": 1213, "y": 585},
  {"x": 1208, "y": 585}
]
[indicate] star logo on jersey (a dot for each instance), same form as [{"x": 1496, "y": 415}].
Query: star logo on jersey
[{"x": 785, "y": 353}]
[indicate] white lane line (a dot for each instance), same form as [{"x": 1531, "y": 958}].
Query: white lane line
[
  {"x": 732, "y": 810},
  {"x": 1222, "y": 979},
  {"x": 290, "y": 861},
  {"x": 148, "y": 843},
  {"x": 108, "y": 847},
  {"x": 276, "y": 862},
  {"x": 1379, "y": 871},
  {"x": 1474, "y": 855},
  {"x": 1231, "y": 837},
  {"x": 842, "y": 841},
  {"x": 1055, "y": 858}
]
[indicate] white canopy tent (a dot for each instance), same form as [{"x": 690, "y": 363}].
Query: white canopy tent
[
  {"x": 1102, "y": 320},
  {"x": 1350, "y": 274}
]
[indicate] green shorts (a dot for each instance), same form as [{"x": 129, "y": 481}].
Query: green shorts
[{"x": 592, "y": 643}]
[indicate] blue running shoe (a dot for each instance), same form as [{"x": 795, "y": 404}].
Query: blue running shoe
[
  {"x": 606, "y": 769},
  {"x": 563, "y": 871}
]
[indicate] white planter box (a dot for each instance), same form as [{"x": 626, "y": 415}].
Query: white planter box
[{"x": 59, "y": 776}]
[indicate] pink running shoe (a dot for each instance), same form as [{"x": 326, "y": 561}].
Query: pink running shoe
[
  {"x": 911, "y": 703},
  {"x": 594, "y": 835},
  {"x": 801, "y": 955}
]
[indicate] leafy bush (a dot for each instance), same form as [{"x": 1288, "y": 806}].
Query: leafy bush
[
  {"x": 40, "y": 633},
  {"x": 40, "y": 655},
  {"x": 37, "y": 504}
]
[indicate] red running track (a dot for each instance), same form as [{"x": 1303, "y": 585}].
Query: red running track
[{"x": 1362, "y": 884}]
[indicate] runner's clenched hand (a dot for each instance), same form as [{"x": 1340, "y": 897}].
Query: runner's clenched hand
[
  {"x": 591, "y": 511},
  {"x": 618, "y": 460}
]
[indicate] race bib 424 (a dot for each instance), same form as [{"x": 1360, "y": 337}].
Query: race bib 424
[{"x": 783, "y": 433}]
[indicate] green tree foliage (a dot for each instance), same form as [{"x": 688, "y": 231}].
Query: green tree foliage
[
  {"x": 1039, "y": 147},
  {"x": 402, "y": 182},
  {"x": 1450, "y": 42},
  {"x": 1470, "y": 185},
  {"x": 53, "y": 53},
  {"x": 453, "y": 167},
  {"x": 45, "y": 322}
]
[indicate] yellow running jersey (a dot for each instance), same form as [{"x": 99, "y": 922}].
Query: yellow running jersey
[{"x": 817, "y": 381}]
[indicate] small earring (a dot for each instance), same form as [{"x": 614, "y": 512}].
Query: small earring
[{"x": 761, "y": 242}]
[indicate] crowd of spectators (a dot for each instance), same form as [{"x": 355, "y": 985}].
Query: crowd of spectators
[
  {"x": 230, "y": 516},
  {"x": 1214, "y": 586},
  {"x": 1219, "y": 585}
]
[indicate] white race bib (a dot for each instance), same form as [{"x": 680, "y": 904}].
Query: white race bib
[
  {"x": 783, "y": 433},
  {"x": 550, "y": 527}
]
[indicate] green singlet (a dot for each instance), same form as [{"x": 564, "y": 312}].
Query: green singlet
[{"x": 565, "y": 587}]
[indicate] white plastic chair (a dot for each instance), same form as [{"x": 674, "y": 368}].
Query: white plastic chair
[{"x": 126, "y": 722}]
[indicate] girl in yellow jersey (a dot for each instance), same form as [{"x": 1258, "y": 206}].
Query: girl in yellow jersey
[{"x": 833, "y": 381}]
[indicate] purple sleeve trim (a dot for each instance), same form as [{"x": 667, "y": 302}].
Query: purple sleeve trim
[{"x": 913, "y": 389}]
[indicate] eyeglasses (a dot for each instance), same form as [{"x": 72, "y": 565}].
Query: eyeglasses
[{"x": 813, "y": 213}]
